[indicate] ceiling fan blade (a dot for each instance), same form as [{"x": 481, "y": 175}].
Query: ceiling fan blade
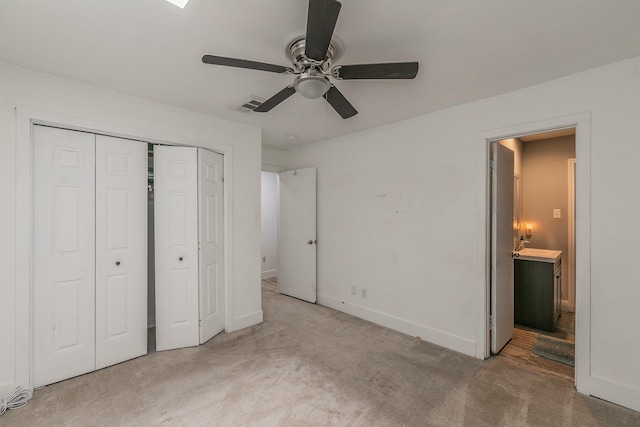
[
  {"x": 394, "y": 70},
  {"x": 339, "y": 103},
  {"x": 276, "y": 99},
  {"x": 321, "y": 21},
  {"x": 243, "y": 63}
]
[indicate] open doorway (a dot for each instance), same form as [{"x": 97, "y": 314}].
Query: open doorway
[
  {"x": 532, "y": 305},
  {"x": 289, "y": 233},
  {"x": 269, "y": 222}
]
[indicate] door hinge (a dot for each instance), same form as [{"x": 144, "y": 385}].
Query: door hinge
[
  {"x": 491, "y": 165},
  {"x": 490, "y": 322}
]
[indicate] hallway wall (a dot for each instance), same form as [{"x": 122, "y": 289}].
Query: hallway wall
[{"x": 269, "y": 224}]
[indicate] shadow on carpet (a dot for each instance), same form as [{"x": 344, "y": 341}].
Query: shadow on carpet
[{"x": 555, "y": 349}]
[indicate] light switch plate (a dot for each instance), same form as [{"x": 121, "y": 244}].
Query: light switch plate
[{"x": 557, "y": 213}]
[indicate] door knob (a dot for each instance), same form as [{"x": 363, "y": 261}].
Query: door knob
[
  {"x": 180, "y": 259},
  {"x": 310, "y": 242},
  {"x": 117, "y": 262}
]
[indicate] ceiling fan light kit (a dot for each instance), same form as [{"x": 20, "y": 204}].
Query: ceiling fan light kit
[
  {"x": 312, "y": 84},
  {"x": 312, "y": 56}
]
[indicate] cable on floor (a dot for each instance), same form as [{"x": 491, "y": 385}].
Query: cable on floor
[{"x": 17, "y": 399}]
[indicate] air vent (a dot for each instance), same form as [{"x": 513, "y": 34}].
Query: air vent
[{"x": 250, "y": 104}]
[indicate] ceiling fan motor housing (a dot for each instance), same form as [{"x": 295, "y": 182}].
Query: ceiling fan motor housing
[{"x": 296, "y": 53}]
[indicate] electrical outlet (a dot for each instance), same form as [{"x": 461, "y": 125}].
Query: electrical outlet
[
  {"x": 354, "y": 290},
  {"x": 363, "y": 293},
  {"x": 557, "y": 213}
]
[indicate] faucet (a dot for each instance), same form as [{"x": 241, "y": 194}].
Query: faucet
[{"x": 521, "y": 244}]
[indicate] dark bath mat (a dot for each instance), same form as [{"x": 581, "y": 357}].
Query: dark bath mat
[{"x": 554, "y": 349}]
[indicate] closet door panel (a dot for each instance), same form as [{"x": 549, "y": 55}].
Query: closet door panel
[
  {"x": 121, "y": 250},
  {"x": 64, "y": 254},
  {"x": 176, "y": 246},
  {"x": 211, "y": 243}
]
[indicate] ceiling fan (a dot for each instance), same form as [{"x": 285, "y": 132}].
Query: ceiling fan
[{"x": 312, "y": 57}]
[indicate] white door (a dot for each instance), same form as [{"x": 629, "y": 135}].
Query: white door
[
  {"x": 121, "y": 250},
  {"x": 211, "y": 235},
  {"x": 501, "y": 247},
  {"x": 297, "y": 234},
  {"x": 64, "y": 255},
  {"x": 176, "y": 246}
]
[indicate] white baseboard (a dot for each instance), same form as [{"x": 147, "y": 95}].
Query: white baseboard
[
  {"x": 620, "y": 394},
  {"x": 248, "y": 320},
  {"x": 408, "y": 327},
  {"x": 269, "y": 274}
]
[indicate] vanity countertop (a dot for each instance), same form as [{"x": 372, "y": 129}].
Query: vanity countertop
[{"x": 542, "y": 255}]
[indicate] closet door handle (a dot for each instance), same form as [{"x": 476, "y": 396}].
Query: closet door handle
[
  {"x": 117, "y": 262},
  {"x": 180, "y": 259}
]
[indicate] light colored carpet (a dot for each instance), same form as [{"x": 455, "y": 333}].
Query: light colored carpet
[{"x": 308, "y": 365}]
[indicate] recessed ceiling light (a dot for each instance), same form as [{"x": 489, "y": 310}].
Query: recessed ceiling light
[{"x": 180, "y": 3}]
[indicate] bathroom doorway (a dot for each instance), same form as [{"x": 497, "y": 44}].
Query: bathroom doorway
[{"x": 537, "y": 329}]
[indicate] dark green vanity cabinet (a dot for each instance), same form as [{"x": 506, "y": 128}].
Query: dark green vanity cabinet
[{"x": 536, "y": 293}]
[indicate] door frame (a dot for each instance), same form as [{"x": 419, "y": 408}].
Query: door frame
[
  {"x": 570, "y": 304},
  {"x": 24, "y": 205},
  {"x": 582, "y": 123}
]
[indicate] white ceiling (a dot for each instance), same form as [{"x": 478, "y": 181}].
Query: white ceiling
[{"x": 467, "y": 49}]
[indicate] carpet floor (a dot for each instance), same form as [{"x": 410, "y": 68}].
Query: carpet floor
[{"x": 308, "y": 365}]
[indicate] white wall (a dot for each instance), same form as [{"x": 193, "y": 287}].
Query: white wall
[
  {"x": 52, "y": 95},
  {"x": 398, "y": 214},
  {"x": 273, "y": 159},
  {"x": 269, "y": 224}
]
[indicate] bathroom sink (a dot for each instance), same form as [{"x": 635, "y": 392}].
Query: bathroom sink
[{"x": 532, "y": 254}]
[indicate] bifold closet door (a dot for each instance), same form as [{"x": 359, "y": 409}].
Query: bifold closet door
[
  {"x": 211, "y": 231},
  {"x": 90, "y": 252},
  {"x": 121, "y": 250},
  {"x": 64, "y": 254},
  {"x": 176, "y": 246}
]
